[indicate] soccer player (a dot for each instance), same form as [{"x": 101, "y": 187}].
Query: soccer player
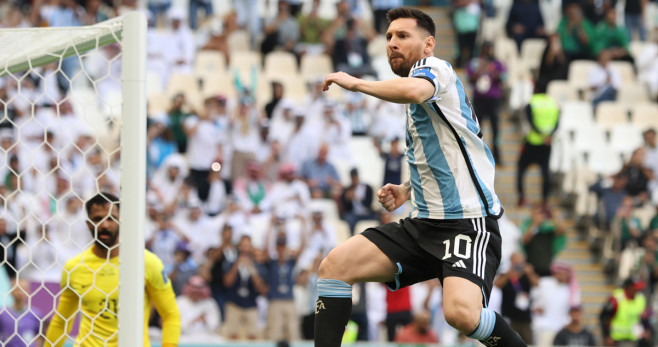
[
  {"x": 452, "y": 232},
  {"x": 90, "y": 284}
]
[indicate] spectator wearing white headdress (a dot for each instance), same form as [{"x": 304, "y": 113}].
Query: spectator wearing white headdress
[{"x": 181, "y": 41}]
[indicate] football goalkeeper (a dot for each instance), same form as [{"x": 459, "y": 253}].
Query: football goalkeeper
[{"x": 90, "y": 284}]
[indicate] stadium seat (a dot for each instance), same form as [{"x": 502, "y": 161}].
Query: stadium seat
[
  {"x": 562, "y": 91},
  {"x": 531, "y": 52},
  {"x": 579, "y": 72},
  {"x": 636, "y": 47},
  {"x": 377, "y": 46},
  {"x": 182, "y": 83},
  {"x": 604, "y": 160},
  {"x": 519, "y": 71},
  {"x": 280, "y": 64},
  {"x": 625, "y": 138},
  {"x": 563, "y": 158},
  {"x": 208, "y": 62},
  {"x": 505, "y": 50},
  {"x": 632, "y": 92},
  {"x": 625, "y": 70},
  {"x": 368, "y": 161},
  {"x": 586, "y": 139},
  {"x": 315, "y": 65},
  {"x": 158, "y": 103},
  {"x": 238, "y": 41},
  {"x": 327, "y": 206},
  {"x": 645, "y": 115},
  {"x": 576, "y": 115},
  {"x": 218, "y": 82},
  {"x": 245, "y": 63},
  {"x": 491, "y": 28},
  {"x": 383, "y": 68},
  {"x": 342, "y": 230},
  {"x": 610, "y": 114}
]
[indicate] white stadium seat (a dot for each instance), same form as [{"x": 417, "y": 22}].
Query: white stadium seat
[
  {"x": 280, "y": 63},
  {"x": 590, "y": 138},
  {"x": 505, "y": 50},
  {"x": 610, "y": 114},
  {"x": 645, "y": 115},
  {"x": 218, "y": 82},
  {"x": 183, "y": 83},
  {"x": 604, "y": 160},
  {"x": 625, "y": 138},
  {"x": 531, "y": 52},
  {"x": 313, "y": 65},
  {"x": 576, "y": 115},
  {"x": 245, "y": 62},
  {"x": 562, "y": 91},
  {"x": 579, "y": 72},
  {"x": 377, "y": 46},
  {"x": 238, "y": 41},
  {"x": 633, "y": 92},
  {"x": 208, "y": 62},
  {"x": 625, "y": 70}
]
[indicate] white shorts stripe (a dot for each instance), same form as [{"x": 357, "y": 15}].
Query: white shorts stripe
[
  {"x": 482, "y": 248},
  {"x": 475, "y": 248},
  {"x": 487, "y": 235}
]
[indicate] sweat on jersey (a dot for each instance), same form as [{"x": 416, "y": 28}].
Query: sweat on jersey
[{"x": 451, "y": 168}]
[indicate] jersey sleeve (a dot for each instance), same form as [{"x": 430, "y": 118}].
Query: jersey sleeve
[
  {"x": 67, "y": 306},
  {"x": 437, "y": 72},
  {"x": 162, "y": 295}
]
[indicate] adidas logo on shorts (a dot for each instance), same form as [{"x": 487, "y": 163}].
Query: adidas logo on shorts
[{"x": 460, "y": 264}]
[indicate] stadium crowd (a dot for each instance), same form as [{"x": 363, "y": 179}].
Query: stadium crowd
[{"x": 250, "y": 187}]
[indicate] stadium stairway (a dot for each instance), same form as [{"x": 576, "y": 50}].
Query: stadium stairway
[
  {"x": 445, "y": 35},
  {"x": 595, "y": 289}
]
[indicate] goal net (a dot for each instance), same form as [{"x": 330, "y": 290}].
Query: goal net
[{"x": 73, "y": 126}]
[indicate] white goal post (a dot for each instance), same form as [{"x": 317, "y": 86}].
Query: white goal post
[{"x": 29, "y": 48}]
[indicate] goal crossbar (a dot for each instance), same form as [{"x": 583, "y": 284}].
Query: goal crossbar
[{"x": 46, "y": 46}]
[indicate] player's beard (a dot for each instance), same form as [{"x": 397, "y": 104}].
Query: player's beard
[
  {"x": 400, "y": 67},
  {"x": 109, "y": 242}
]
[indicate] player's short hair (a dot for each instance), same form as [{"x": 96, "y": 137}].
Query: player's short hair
[
  {"x": 101, "y": 199},
  {"x": 422, "y": 19}
]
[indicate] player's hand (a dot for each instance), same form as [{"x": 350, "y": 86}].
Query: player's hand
[
  {"x": 342, "y": 79},
  {"x": 392, "y": 196}
]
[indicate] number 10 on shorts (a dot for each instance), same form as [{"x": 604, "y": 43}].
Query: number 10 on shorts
[{"x": 457, "y": 248}]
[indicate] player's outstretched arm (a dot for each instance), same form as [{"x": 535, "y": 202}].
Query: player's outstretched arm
[
  {"x": 392, "y": 196},
  {"x": 405, "y": 90}
]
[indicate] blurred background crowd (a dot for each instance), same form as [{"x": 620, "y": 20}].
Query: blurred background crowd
[{"x": 255, "y": 174}]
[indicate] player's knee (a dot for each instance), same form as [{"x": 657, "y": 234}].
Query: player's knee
[
  {"x": 462, "y": 317},
  {"x": 331, "y": 267}
]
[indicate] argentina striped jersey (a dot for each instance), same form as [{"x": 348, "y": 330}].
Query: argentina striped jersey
[{"x": 451, "y": 168}]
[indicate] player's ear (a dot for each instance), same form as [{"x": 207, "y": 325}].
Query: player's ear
[{"x": 430, "y": 42}]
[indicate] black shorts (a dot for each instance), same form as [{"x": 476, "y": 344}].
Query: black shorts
[{"x": 424, "y": 249}]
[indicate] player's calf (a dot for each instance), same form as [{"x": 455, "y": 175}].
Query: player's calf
[{"x": 356, "y": 260}]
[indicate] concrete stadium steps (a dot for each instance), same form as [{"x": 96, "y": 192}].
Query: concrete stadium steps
[
  {"x": 445, "y": 35},
  {"x": 595, "y": 290}
]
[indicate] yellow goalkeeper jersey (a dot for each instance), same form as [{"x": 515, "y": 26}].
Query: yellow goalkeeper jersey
[{"x": 90, "y": 284}]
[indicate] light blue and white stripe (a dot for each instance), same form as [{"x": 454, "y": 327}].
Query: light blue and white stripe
[{"x": 334, "y": 289}]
